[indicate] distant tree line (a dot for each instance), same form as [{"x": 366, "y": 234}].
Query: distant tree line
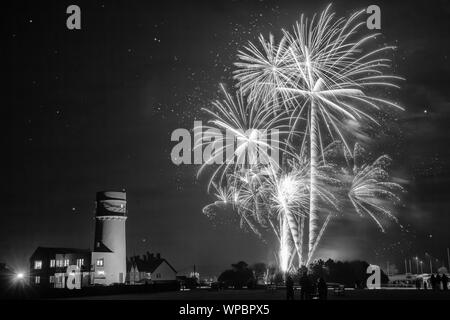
[
  {"x": 348, "y": 273},
  {"x": 238, "y": 276}
]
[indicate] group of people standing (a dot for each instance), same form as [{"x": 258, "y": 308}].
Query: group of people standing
[
  {"x": 436, "y": 281},
  {"x": 307, "y": 288}
]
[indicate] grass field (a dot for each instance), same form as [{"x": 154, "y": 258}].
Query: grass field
[{"x": 204, "y": 294}]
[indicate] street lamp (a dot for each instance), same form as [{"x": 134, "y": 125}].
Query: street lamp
[{"x": 19, "y": 278}]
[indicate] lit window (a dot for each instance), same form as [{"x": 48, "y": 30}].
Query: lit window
[
  {"x": 80, "y": 263},
  {"x": 38, "y": 264},
  {"x": 100, "y": 262},
  {"x": 101, "y": 272},
  {"x": 52, "y": 263},
  {"x": 37, "y": 279},
  {"x": 66, "y": 262},
  {"x": 59, "y": 263},
  {"x": 52, "y": 279}
]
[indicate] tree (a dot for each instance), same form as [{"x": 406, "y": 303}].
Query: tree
[
  {"x": 259, "y": 270},
  {"x": 442, "y": 270},
  {"x": 239, "y": 276},
  {"x": 349, "y": 273}
]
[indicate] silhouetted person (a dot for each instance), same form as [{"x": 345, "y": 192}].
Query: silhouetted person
[
  {"x": 305, "y": 285},
  {"x": 417, "y": 283},
  {"x": 444, "y": 280},
  {"x": 289, "y": 288},
  {"x": 322, "y": 289},
  {"x": 438, "y": 282},
  {"x": 433, "y": 282}
]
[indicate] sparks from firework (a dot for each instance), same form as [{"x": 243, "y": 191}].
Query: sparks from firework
[
  {"x": 318, "y": 72},
  {"x": 249, "y": 127},
  {"x": 289, "y": 193},
  {"x": 323, "y": 67},
  {"x": 275, "y": 200},
  {"x": 260, "y": 68},
  {"x": 371, "y": 192}
]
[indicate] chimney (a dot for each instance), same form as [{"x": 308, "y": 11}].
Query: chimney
[{"x": 158, "y": 256}]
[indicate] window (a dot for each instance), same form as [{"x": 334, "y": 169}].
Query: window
[
  {"x": 80, "y": 262},
  {"x": 100, "y": 262},
  {"x": 37, "y": 264},
  {"x": 52, "y": 263},
  {"x": 37, "y": 279},
  {"x": 158, "y": 275},
  {"x": 52, "y": 279},
  {"x": 66, "y": 262},
  {"x": 59, "y": 263}
]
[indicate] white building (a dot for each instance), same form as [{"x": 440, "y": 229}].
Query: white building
[
  {"x": 109, "y": 255},
  {"x": 150, "y": 269},
  {"x": 107, "y": 263}
]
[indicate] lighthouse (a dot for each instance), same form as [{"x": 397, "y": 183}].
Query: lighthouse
[{"x": 109, "y": 254}]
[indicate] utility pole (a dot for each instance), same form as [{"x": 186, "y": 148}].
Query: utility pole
[
  {"x": 195, "y": 274},
  {"x": 448, "y": 258},
  {"x": 406, "y": 267},
  {"x": 431, "y": 263},
  {"x": 417, "y": 265}
]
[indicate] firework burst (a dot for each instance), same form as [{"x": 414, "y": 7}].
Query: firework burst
[
  {"x": 327, "y": 75},
  {"x": 371, "y": 192},
  {"x": 245, "y": 128},
  {"x": 312, "y": 82}
]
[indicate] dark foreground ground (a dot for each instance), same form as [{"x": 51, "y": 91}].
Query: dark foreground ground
[{"x": 204, "y": 294}]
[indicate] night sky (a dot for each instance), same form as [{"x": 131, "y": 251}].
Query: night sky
[{"x": 93, "y": 109}]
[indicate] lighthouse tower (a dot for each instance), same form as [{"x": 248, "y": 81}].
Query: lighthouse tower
[{"x": 109, "y": 254}]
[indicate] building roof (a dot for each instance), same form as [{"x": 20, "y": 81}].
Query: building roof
[
  {"x": 111, "y": 195},
  {"x": 58, "y": 250},
  {"x": 101, "y": 247},
  {"x": 148, "y": 264}
]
